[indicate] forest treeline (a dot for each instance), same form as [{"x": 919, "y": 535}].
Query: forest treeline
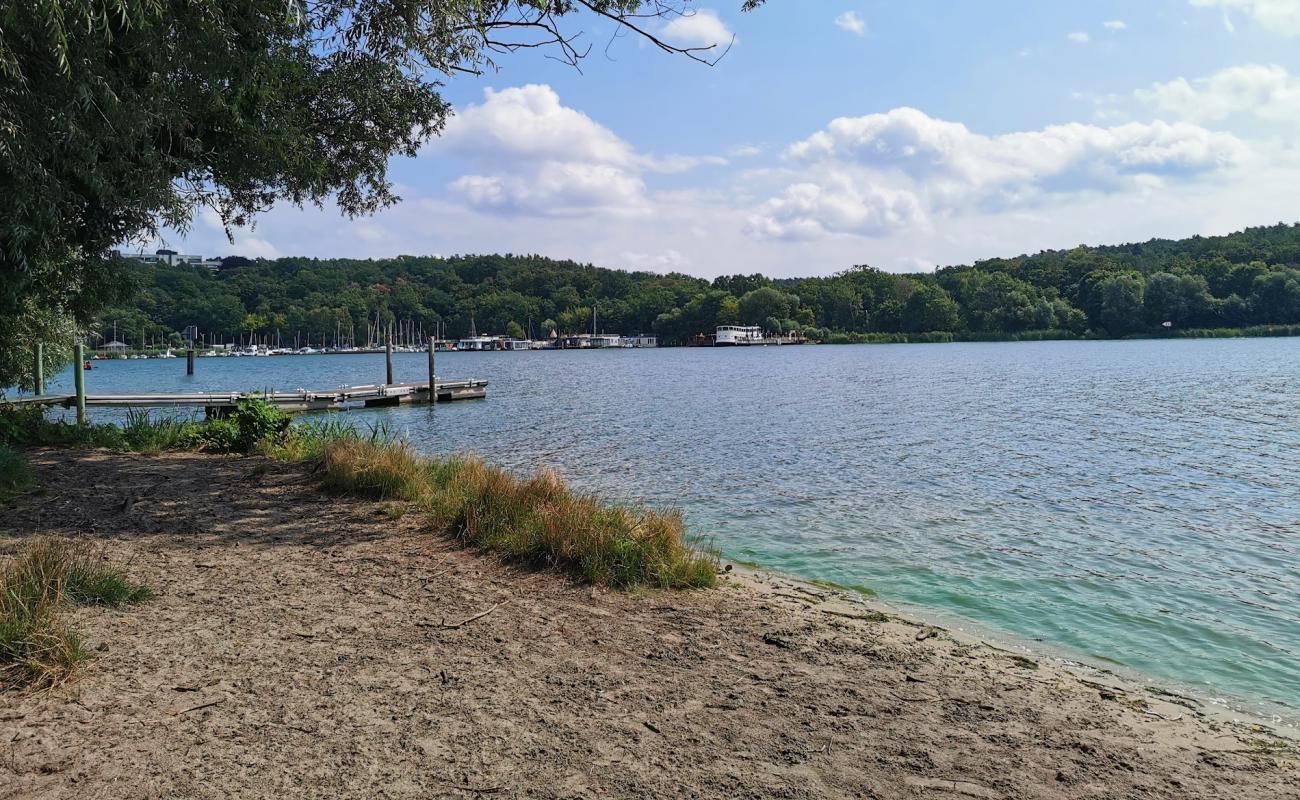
[{"x": 1185, "y": 287}]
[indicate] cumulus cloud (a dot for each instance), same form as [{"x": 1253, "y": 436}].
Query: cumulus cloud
[
  {"x": 548, "y": 159},
  {"x": 920, "y": 145},
  {"x": 701, "y": 28},
  {"x": 1078, "y": 37},
  {"x": 1115, "y": 25},
  {"x": 893, "y": 170},
  {"x": 554, "y": 189},
  {"x": 1265, "y": 91},
  {"x": 530, "y": 122},
  {"x": 836, "y": 205},
  {"x": 851, "y": 22},
  {"x": 1279, "y": 16}
]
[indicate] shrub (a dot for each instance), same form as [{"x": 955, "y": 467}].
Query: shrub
[
  {"x": 257, "y": 422},
  {"x": 216, "y": 435},
  {"x": 15, "y": 476}
]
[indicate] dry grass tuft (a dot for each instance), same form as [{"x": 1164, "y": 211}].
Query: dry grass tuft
[
  {"x": 382, "y": 471},
  {"x": 537, "y": 521},
  {"x": 37, "y": 648}
]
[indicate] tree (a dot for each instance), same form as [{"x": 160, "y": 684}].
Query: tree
[
  {"x": 929, "y": 308},
  {"x": 758, "y": 305},
  {"x": 1121, "y": 304},
  {"x": 1180, "y": 299},
  {"x": 121, "y": 117},
  {"x": 514, "y": 330},
  {"x": 1275, "y": 297}
]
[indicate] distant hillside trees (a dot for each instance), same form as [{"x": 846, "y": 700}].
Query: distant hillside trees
[{"x": 1237, "y": 281}]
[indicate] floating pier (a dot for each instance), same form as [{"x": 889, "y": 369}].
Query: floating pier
[{"x": 218, "y": 403}]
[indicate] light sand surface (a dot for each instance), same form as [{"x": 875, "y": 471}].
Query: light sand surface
[{"x": 303, "y": 645}]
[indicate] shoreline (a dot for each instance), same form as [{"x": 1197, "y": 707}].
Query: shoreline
[
  {"x": 974, "y": 633},
  {"x": 346, "y": 652}
]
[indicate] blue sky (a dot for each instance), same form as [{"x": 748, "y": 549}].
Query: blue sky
[{"x": 902, "y": 135}]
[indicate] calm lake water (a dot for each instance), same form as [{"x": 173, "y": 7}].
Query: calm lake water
[{"x": 1131, "y": 502}]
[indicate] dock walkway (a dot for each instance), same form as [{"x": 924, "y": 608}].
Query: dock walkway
[{"x": 217, "y": 403}]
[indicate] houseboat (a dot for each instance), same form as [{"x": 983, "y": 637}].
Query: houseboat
[
  {"x": 476, "y": 343},
  {"x": 640, "y": 340},
  {"x": 734, "y": 335}
]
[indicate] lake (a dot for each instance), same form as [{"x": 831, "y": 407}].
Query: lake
[{"x": 1130, "y": 502}]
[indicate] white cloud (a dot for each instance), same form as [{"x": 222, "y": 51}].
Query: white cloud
[
  {"x": 836, "y": 205},
  {"x": 701, "y": 28},
  {"x": 1078, "y": 37},
  {"x": 922, "y": 146},
  {"x": 529, "y": 123},
  {"x": 554, "y": 189},
  {"x": 885, "y": 172},
  {"x": 547, "y": 159},
  {"x": 1265, "y": 91},
  {"x": 1115, "y": 25},
  {"x": 1279, "y": 16},
  {"x": 851, "y": 22}
]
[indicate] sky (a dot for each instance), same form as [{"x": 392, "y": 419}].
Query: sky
[{"x": 901, "y": 135}]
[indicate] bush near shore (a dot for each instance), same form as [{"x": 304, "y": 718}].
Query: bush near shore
[{"x": 538, "y": 520}]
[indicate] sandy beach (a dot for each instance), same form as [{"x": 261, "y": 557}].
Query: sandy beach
[{"x": 303, "y": 645}]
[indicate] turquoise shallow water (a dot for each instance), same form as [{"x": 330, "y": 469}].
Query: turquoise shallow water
[{"x": 1133, "y": 502}]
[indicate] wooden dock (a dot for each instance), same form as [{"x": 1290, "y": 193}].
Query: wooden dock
[{"x": 218, "y": 403}]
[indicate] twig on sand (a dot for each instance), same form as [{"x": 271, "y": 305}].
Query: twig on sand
[
  {"x": 479, "y": 615},
  {"x": 208, "y": 704},
  {"x": 475, "y": 789}
]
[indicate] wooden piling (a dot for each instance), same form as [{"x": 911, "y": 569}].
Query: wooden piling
[
  {"x": 388, "y": 357},
  {"x": 433, "y": 385},
  {"x": 189, "y": 361},
  {"x": 38, "y": 370},
  {"x": 79, "y": 381}
]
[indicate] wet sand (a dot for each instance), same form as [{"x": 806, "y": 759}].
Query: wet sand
[{"x": 303, "y": 645}]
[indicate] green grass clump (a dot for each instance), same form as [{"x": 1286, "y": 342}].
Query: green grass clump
[
  {"x": 537, "y": 521},
  {"x": 37, "y": 648},
  {"x": 15, "y": 475},
  {"x": 144, "y": 434}
]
